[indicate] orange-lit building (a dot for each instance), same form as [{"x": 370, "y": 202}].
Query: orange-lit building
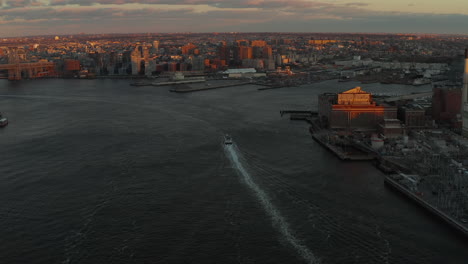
[
  {"x": 72, "y": 65},
  {"x": 189, "y": 49},
  {"x": 267, "y": 52},
  {"x": 321, "y": 41},
  {"x": 353, "y": 110},
  {"x": 245, "y": 53},
  {"x": 259, "y": 43}
]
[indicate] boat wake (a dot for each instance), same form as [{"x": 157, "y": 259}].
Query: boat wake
[{"x": 278, "y": 221}]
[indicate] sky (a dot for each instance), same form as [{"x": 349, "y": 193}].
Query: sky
[{"x": 58, "y": 17}]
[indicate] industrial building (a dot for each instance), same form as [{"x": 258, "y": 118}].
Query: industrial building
[
  {"x": 353, "y": 110},
  {"x": 447, "y": 105},
  {"x": 243, "y": 73},
  {"x": 414, "y": 116}
]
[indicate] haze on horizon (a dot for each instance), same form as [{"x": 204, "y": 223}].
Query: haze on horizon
[{"x": 48, "y": 17}]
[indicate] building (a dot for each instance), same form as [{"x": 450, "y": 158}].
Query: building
[
  {"x": 156, "y": 45},
  {"x": 224, "y": 53},
  {"x": 353, "y": 110},
  {"x": 391, "y": 128},
  {"x": 259, "y": 43},
  {"x": 140, "y": 60},
  {"x": 413, "y": 116},
  {"x": 465, "y": 98},
  {"x": 268, "y": 52},
  {"x": 446, "y": 105},
  {"x": 72, "y": 65},
  {"x": 189, "y": 49},
  {"x": 321, "y": 41},
  {"x": 243, "y": 73},
  {"x": 245, "y": 53}
]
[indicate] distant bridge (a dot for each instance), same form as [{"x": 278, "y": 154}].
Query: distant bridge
[{"x": 31, "y": 70}]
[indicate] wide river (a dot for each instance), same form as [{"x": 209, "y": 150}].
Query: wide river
[{"x": 98, "y": 171}]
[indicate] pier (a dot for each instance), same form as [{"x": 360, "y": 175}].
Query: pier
[
  {"x": 349, "y": 154},
  {"x": 462, "y": 229},
  {"x": 197, "y": 89}
]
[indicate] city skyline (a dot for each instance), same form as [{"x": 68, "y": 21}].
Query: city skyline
[{"x": 49, "y": 17}]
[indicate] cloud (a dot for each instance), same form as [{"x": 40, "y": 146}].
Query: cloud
[
  {"x": 122, "y": 16},
  {"x": 21, "y": 3},
  {"x": 356, "y": 4}
]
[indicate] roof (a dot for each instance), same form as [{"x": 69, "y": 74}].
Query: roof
[{"x": 356, "y": 90}]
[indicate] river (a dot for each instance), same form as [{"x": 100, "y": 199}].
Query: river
[{"x": 98, "y": 171}]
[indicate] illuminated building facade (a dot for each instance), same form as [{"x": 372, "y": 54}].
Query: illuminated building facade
[
  {"x": 353, "y": 110},
  {"x": 259, "y": 43}
]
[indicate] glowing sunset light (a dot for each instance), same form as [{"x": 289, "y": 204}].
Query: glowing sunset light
[{"x": 19, "y": 17}]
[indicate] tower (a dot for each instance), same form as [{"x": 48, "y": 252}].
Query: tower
[{"x": 465, "y": 97}]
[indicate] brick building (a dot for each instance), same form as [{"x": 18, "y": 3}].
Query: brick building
[{"x": 353, "y": 110}]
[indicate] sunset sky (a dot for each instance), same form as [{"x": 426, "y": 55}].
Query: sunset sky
[{"x": 34, "y": 17}]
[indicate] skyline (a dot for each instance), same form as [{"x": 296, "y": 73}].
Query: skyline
[{"x": 50, "y": 17}]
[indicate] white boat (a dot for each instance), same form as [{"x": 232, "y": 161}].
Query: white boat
[
  {"x": 227, "y": 140},
  {"x": 3, "y": 122}
]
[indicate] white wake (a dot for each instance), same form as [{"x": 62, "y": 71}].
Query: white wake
[{"x": 278, "y": 220}]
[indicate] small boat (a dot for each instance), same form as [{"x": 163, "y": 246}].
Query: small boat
[
  {"x": 227, "y": 140},
  {"x": 3, "y": 121}
]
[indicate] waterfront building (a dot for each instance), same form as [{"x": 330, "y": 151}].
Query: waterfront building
[
  {"x": 413, "y": 116},
  {"x": 353, "y": 110},
  {"x": 446, "y": 105}
]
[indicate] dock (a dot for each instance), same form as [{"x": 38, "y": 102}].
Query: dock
[
  {"x": 197, "y": 89},
  {"x": 271, "y": 87},
  {"x": 462, "y": 229},
  {"x": 178, "y": 82},
  {"x": 357, "y": 155}
]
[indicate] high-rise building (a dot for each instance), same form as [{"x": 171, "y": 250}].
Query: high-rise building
[
  {"x": 189, "y": 49},
  {"x": 465, "y": 97},
  {"x": 224, "y": 53},
  {"x": 242, "y": 42},
  {"x": 267, "y": 52},
  {"x": 259, "y": 43},
  {"x": 71, "y": 65},
  {"x": 140, "y": 60},
  {"x": 156, "y": 44},
  {"x": 245, "y": 53},
  {"x": 446, "y": 105},
  {"x": 198, "y": 63}
]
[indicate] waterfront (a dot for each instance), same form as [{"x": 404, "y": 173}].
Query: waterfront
[{"x": 100, "y": 171}]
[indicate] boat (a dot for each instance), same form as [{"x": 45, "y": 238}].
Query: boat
[
  {"x": 227, "y": 140},
  {"x": 3, "y": 121}
]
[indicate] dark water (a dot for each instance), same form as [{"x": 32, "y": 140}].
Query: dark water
[{"x": 97, "y": 171}]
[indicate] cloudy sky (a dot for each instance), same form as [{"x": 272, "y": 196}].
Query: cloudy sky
[{"x": 33, "y": 17}]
